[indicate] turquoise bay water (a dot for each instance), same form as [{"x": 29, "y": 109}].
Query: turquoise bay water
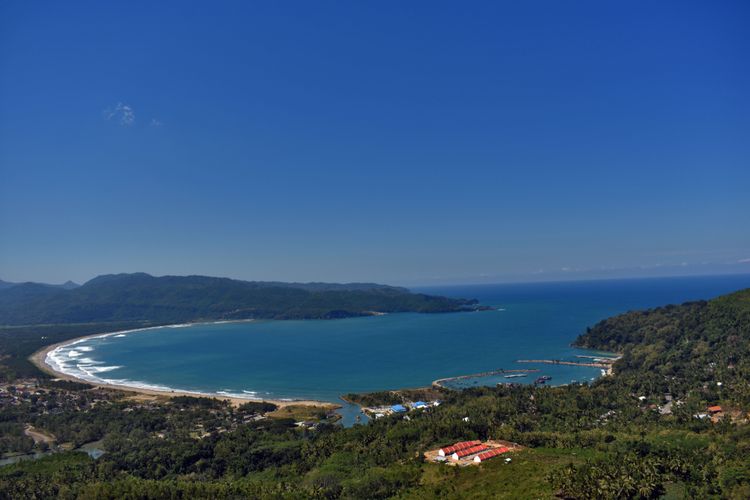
[{"x": 325, "y": 359}]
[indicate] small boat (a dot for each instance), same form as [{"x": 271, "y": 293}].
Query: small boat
[{"x": 516, "y": 375}]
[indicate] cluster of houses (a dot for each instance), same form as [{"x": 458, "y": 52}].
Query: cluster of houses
[
  {"x": 417, "y": 405},
  {"x": 51, "y": 401},
  {"x": 44, "y": 401},
  {"x": 715, "y": 413},
  {"x": 401, "y": 408}
]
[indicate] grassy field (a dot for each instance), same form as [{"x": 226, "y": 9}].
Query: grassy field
[
  {"x": 519, "y": 478},
  {"x": 299, "y": 413}
]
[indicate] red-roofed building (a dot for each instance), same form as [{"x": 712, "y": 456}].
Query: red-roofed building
[
  {"x": 490, "y": 454},
  {"x": 714, "y": 409},
  {"x": 448, "y": 450},
  {"x": 468, "y": 451}
]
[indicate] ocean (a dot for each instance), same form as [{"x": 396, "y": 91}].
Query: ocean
[{"x": 323, "y": 359}]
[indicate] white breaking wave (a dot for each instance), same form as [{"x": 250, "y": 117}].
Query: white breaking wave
[
  {"x": 90, "y": 361},
  {"x": 135, "y": 384},
  {"x": 66, "y": 359},
  {"x": 61, "y": 357},
  {"x": 101, "y": 369},
  {"x": 243, "y": 395},
  {"x": 92, "y": 370}
]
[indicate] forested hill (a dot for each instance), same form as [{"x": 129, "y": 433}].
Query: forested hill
[
  {"x": 141, "y": 297},
  {"x": 677, "y": 348}
]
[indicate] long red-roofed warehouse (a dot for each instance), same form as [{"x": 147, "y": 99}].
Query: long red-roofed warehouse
[
  {"x": 468, "y": 451},
  {"x": 462, "y": 445},
  {"x": 490, "y": 454}
]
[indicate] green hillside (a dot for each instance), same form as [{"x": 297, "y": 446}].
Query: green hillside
[{"x": 676, "y": 349}]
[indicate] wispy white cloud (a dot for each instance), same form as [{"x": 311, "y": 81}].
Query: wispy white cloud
[
  {"x": 122, "y": 113},
  {"x": 155, "y": 123},
  {"x": 743, "y": 261}
]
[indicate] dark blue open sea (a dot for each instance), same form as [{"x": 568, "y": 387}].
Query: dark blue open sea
[{"x": 323, "y": 359}]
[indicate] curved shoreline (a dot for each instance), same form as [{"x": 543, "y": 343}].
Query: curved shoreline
[{"x": 39, "y": 359}]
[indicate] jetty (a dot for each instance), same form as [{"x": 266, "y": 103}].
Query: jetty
[
  {"x": 561, "y": 362},
  {"x": 602, "y": 359},
  {"x": 501, "y": 371}
]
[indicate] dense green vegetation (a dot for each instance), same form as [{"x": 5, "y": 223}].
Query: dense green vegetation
[
  {"x": 610, "y": 439},
  {"x": 677, "y": 349},
  {"x": 174, "y": 299}
]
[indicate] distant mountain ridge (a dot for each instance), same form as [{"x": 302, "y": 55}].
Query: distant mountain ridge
[
  {"x": 68, "y": 285},
  {"x": 142, "y": 297}
]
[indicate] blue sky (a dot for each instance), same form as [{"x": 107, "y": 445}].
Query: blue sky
[{"x": 400, "y": 142}]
